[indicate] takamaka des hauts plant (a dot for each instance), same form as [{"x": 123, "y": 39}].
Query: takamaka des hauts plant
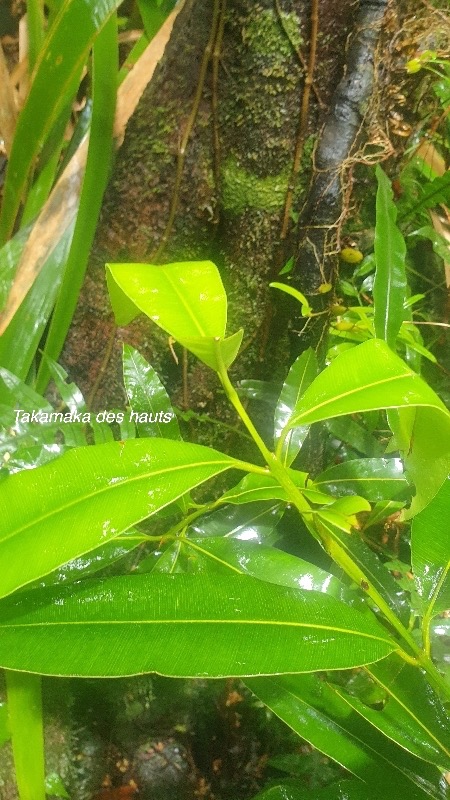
[{"x": 240, "y": 607}]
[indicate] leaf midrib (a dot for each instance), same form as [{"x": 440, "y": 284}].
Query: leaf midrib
[
  {"x": 298, "y": 417},
  {"x": 111, "y": 487},
  {"x": 214, "y": 621},
  {"x": 416, "y": 719}
]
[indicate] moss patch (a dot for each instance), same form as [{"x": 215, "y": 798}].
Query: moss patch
[
  {"x": 265, "y": 35},
  {"x": 242, "y": 190}
]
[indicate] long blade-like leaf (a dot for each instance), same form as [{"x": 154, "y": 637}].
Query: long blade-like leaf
[
  {"x": 374, "y": 478},
  {"x": 301, "y": 375},
  {"x": 186, "y": 626},
  {"x": 390, "y": 277},
  {"x": 369, "y": 377},
  {"x": 325, "y": 720},
  {"x": 79, "y": 501},
  {"x": 413, "y": 716},
  {"x": 104, "y": 66},
  {"x": 430, "y": 553},
  {"x": 61, "y": 60}
]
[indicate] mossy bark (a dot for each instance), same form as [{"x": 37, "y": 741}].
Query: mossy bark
[{"x": 231, "y": 215}]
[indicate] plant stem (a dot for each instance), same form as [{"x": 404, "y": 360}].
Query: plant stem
[
  {"x": 277, "y": 469},
  {"x": 24, "y": 697},
  {"x": 295, "y": 496}
]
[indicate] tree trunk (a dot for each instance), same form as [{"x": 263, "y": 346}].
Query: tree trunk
[{"x": 231, "y": 200}]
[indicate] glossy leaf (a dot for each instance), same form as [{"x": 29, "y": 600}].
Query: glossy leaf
[
  {"x": 440, "y": 645},
  {"x": 355, "y": 435},
  {"x": 362, "y": 565},
  {"x": 250, "y": 522},
  {"x": 344, "y": 790},
  {"x": 370, "y": 376},
  {"x": 162, "y": 560},
  {"x": 301, "y": 375},
  {"x": 104, "y": 90},
  {"x": 413, "y": 715},
  {"x": 374, "y": 478},
  {"x": 87, "y": 565},
  {"x": 265, "y": 563},
  {"x": 365, "y": 378},
  {"x": 389, "y": 287},
  {"x": 147, "y": 395},
  {"x": 186, "y": 626},
  {"x": 381, "y": 511},
  {"x": 263, "y": 391},
  {"x": 18, "y": 396},
  {"x": 430, "y": 553},
  {"x": 185, "y": 299},
  {"x": 319, "y": 715},
  {"x": 253, "y": 488},
  {"x": 70, "y": 393},
  {"x": 60, "y": 64},
  {"x": 90, "y": 495}
]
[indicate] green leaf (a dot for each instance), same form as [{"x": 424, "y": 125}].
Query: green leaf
[
  {"x": 413, "y": 715},
  {"x": 344, "y": 790},
  {"x": 381, "y": 511},
  {"x": 60, "y": 64},
  {"x": 374, "y": 478},
  {"x": 87, "y": 565},
  {"x": 306, "y": 310},
  {"x": 104, "y": 66},
  {"x": 257, "y": 488},
  {"x": 389, "y": 287},
  {"x": 185, "y": 626},
  {"x": 153, "y": 17},
  {"x": 301, "y": 375},
  {"x": 20, "y": 341},
  {"x": 70, "y": 393},
  {"x": 90, "y": 495},
  {"x": 267, "y": 564},
  {"x": 432, "y": 194},
  {"x": 19, "y": 396},
  {"x": 362, "y": 565},
  {"x": 147, "y": 395},
  {"x": 430, "y": 553},
  {"x": 356, "y": 436},
  {"x": 440, "y": 643},
  {"x": 253, "y": 488},
  {"x": 185, "y": 299},
  {"x": 317, "y": 713},
  {"x": 370, "y": 376},
  {"x": 365, "y": 378},
  {"x": 249, "y": 522}
]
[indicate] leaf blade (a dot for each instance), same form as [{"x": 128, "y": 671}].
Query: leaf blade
[
  {"x": 183, "y": 625},
  {"x": 390, "y": 276},
  {"x": 92, "y": 494}
]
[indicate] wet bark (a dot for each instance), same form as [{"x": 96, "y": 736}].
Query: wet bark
[{"x": 316, "y": 258}]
